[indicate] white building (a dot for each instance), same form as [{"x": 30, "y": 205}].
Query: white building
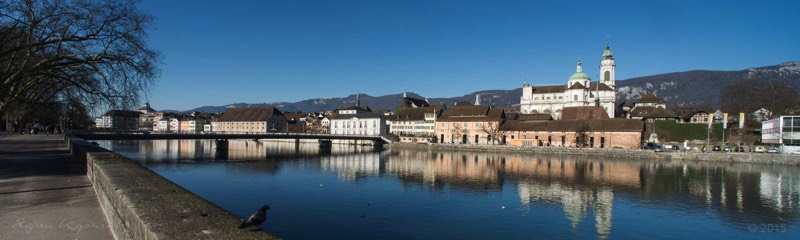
[
  {"x": 579, "y": 91},
  {"x": 119, "y": 119},
  {"x": 357, "y": 120},
  {"x": 415, "y": 124},
  {"x": 783, "y": 131},
  {"x": 415, "y": 120}
]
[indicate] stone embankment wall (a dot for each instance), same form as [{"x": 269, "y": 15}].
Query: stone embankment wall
[
  {"x": 765, "y": 158},
  {"x": 140, "y": 204}
]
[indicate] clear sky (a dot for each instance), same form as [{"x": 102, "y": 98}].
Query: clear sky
[{"x": 221, "y": 52}]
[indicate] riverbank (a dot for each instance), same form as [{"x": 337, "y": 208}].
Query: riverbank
[
  {"x": 760, "y": 158},
  {"x": 140, "y": 204}
]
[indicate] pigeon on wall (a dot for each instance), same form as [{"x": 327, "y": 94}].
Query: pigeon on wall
[{"x": 257, "y": 218}]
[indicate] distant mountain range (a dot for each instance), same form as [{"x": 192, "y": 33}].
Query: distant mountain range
[{"x": 692, "y": 88}]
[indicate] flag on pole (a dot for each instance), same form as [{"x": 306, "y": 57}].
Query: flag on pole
[
  {"x": 741, "y": 120},
  {"x": 724, "y": 120},
  {"x": 710, "y": 119}
]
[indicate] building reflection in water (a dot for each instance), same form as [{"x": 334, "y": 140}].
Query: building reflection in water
[
  {"x": 580, "y": 185},
  {"x": 154, "y": 151}
]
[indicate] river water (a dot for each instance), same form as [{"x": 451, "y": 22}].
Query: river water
[{"x": 355, "y": 192}]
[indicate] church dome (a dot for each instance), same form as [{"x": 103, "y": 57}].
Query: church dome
[
  {"x": 607, "y": 53},
  {"x": 579, "y": 75}
]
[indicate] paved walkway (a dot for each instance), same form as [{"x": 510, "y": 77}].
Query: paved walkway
[{"x": 44, "y": 192}]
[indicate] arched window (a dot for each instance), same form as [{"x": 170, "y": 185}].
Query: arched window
[{"x": 607, "y": 76}]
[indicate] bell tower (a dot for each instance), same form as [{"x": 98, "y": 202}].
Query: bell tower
[{"x": 607, "y": 68}]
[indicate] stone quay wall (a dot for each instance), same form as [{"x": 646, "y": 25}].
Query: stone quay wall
[
  {"x": 733, "y": 157},
  {"x": 140, "y": 204}
]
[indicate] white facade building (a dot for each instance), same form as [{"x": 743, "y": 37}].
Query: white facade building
[
  {"x": 579, "y": 91},
  {"x": 119, "y": 119},
  {"x": 783, "y": 131},
  {"x": 358, "y": 121}
]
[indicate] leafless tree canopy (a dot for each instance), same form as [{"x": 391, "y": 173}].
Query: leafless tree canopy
[
  {"x": 750, "y": 95},
  {"x": 495, "y": 132},
  {"x": 88, "y": 51}
]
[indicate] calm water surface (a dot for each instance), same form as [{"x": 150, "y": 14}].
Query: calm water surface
[{"x": 357, "y": 193}]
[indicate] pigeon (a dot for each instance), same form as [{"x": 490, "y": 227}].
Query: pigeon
[{"x": 257, "y": 218}]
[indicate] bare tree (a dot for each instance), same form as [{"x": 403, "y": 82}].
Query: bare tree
[
  {"x": 580, "y": 133},
  {"x": 458, "y": 132},
  {"x": 89, "y": 51},
  {"x": 494, "y": 132},
  {"x": 750, "y": 95}
]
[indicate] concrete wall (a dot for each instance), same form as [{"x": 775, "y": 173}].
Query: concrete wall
[
  {"x": 763, "y": 158},
  {"x": 140, "y": 204}
]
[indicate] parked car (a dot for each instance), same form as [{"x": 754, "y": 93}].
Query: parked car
[
  {"x": 654, "y": 147},
  {"x": 676, "y": 148},
  {"x": 726, "y": 149},
  {"x": 738, "y": 149},
  {"x": 716, "y": 149},
  {"x": 772, "y": 150},
  {"x": 759, "y": 149}
]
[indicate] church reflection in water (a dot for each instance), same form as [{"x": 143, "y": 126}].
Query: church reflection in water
[{"x": 581, "y": 185}]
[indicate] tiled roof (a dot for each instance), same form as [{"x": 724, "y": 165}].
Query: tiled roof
[
  {"x": 576, "y": 113},
  {"x": 687, "y": 114},
  {"x": 602, "y": 87},
  {"x": 251, "y": 114},
  {"x": 550, "y": 89},
  {"x": 577, "y": 85},
  {"x": 147, "y": 108},
  {"x": 414, "y": 102},
  {"x": 604, "y": 125},
  {"x": 412, "y": 114},
  {"x": 296, "y": 116},
  {"x": 358, "y": 108},
  {"x": 625, "y": 103},
  {"x": 649, "y": 97},
  {"x": 533, "y": 117},
  {"x": 652, "y": 112},
  {"x": 440, "y": 106},
  {"x": 461, "y": 113}
]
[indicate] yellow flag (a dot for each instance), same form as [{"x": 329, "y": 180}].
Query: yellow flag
[
  {"x": 741, "y": 120},
  {"x": 710, "y": 119},
  {"x": 724, "y": 120}
]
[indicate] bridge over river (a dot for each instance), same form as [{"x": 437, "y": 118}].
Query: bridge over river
[{"x": 221, "y": 139}]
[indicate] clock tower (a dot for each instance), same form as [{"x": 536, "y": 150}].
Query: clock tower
[{"x": 607, "y": 68}]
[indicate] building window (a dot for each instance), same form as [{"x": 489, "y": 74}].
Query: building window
[{"x": 575, "y": 97}]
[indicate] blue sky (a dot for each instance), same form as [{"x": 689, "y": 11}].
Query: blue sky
[{"x": 221, "y": 52}]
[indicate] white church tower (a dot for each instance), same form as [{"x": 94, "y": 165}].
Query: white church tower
[{"x": 607, "y": 67}]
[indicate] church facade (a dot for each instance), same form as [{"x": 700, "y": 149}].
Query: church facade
[{"x": 579, "y": 91}]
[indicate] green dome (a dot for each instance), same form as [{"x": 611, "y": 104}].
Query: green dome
[
  {"x": 607, "y": 53},
  {"x": 579, "y": 75}
]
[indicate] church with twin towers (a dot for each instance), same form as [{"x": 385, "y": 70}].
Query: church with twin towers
[{"x": 579, "y": 91}]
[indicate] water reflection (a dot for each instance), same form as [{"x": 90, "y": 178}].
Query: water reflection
[
  {"x": 153, "y": 151},
  {"x": 583, "y": 188}
]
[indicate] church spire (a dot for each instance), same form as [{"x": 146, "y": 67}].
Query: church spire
[
  {"x": 579, "y": 68},
  {"x": 358, "y": 99}
]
